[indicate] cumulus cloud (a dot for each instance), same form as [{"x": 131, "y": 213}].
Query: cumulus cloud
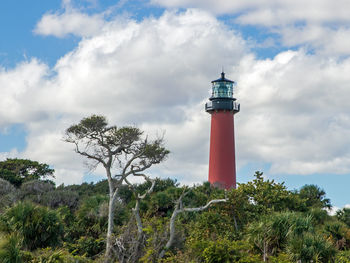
[
  {"x": 321, "y": 25},
  {"x": 23, "y": 83},
  {"x": 269, "y": 12},
  {"x": 152, "y": 73},
  {"x": 156, "y": 74},
  {"x": 296, "y": 107},
  {"x": 328, "y": 41},
  {"x": 71, "y": 21}
]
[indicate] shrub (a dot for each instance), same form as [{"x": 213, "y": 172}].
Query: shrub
[
  {"x": 343, "y": 257},
  {"x": 47, "y": 255},
  {"x": 10, "y": 249},
  {"x": 227, "y": 251},
  {"x": 38, "y": 226},
  {"x": 310, "y": 247},
  {"x": 59, "y": 198},
  {"x": 87, "y": 246}
]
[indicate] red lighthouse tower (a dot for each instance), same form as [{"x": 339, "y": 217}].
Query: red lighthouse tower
[{"x": 222, "y": 160}]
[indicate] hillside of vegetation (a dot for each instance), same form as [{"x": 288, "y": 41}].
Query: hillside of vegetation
[{"x": 259, "y": 221}]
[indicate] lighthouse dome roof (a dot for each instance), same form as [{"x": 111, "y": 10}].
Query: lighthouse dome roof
[{"x": 222, "y": 79}]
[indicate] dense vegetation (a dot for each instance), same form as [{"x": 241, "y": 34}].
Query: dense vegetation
[
  {"x": 261, "y": 220},
  {"x": 158, "y": 220}
]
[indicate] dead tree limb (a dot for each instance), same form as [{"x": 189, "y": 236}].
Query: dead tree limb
[
  {"x": 138, "y": 197},
  {"x": 137, "y": 247},
  {"x": 178, "y": 210}
]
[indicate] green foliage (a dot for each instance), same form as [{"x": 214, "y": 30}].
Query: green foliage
[
  {"x": 225, "y": 251},
  {"x": 87, "y": 246},
  {"x": 163, "y": 202},
  {"x": 314, "y": 196},
  {"x": 18, "y": 171},
  {"x": 212, "y": 225},
  {"x": 91, "y": 124},
  {"x": 338, "y": 233},
  {"x": 271, "y": 233},
  {"x": 88, "y": 128},
  {"x": 163, "y": 184},
  {"x": 38, "y": 226},
  {"x": 319, "y": 215},
  {"x": 260, "y": 197},
  {"x": 91, "y": 218},
  {"x": 10, "y": 249},
  {"x": 280, "y": 258},
  {"x": 228, "y": 251},
  {"x": 177, "y": 257},
  {"x": 157, "y": 237},
  {"x": 265, "y": 196},
  {"x": 48, "y": 255},
  {"x": 103, "y": 144},
  {"x": 344, "y": 215},
  {"x": 342, "y": 257},
  {"x": 261, "y": 216},
  {"x": 87, "y": 189},
  {"x": 310, "y": 247}
]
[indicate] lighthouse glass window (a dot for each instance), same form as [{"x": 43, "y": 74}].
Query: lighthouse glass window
[{"x": 222, "y": 89}]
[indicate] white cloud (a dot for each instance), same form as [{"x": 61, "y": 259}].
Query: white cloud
[
  {"x": 11, "y": 154},
  {"x": 333, "y": 210},
  {"x": 295, "y": 110},
  {"x": 23, "y": 83},
  {"x": 326, "y": 40},
  {"x": 269, "y": 12},
  {"x": 69, "y": 22},
  {"x": 153, "y": 74},
  {"x": 322, "y": 25},
  {"x": 156, "y": 73}
]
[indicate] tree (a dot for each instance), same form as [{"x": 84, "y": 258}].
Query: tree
[
  {"x": 259, "y": 197},
  {"x": 121, "y": 151},
  {"x": 18, "y": 171},
  {"x": 314, "y": 196},
  {"x": 344, "y": 215}
]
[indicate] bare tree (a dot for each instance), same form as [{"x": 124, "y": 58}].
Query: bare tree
[
  {"x": 121, "y": 151},
  {"x": 179, "y": 208}
]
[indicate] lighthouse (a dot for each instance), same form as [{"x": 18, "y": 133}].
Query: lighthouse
[{"x": 222, "y": 158}]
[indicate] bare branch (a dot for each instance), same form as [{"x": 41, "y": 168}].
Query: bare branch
[
  {"x": 180, "y": 209},
  {"x": 136, "y": 209},
  {"x": 150, "y": 190},
  {"x": 197, "y": 209}
]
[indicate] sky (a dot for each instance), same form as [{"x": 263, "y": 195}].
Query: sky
[{"x": 149, "y": 63}]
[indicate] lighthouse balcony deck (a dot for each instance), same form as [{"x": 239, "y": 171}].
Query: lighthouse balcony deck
[{"x": 228, "y": 105}]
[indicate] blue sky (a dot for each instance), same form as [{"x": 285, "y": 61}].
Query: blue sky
[{"x": 150, "y": 63}]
